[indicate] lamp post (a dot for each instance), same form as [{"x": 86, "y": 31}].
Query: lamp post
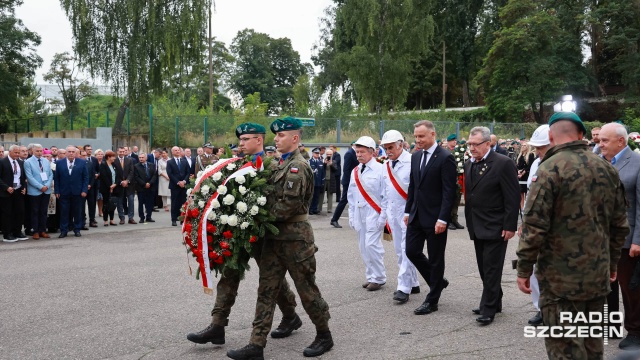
[{"x": 567, "y": 104}]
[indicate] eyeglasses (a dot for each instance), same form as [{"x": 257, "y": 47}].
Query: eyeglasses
[
  {"x": 247, "y": 138},
  {"x": 476, "y": 145}
]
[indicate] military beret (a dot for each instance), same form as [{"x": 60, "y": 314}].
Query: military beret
[
  {"x": 573, "y": 117},
  {"x": 233, "y": 147},
  {"x": 270, "y": 148},
  {"x": 514, "y": 142},
  {"x": 451, "y": 137},
  {"x": 207, "y": 145},
  {"x": 438, "y": 141},
  {"x": 316, "y": 150},
  {"x": 462, "y": 142},
  {"x": 286, "y": 124},
  {"x": 250, "y": 128}
]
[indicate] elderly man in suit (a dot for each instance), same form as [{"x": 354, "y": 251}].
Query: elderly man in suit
[
  {"x": 13, "y": 186},
  {"x": 613, "y": 147},
  {"x": 350, "y": 162},
  {"x": 431, "y": 194},
  {"x": 39, "y": 177},
  {"x": 145, "y": 176},
  {"x": 178, "y": 172},
  {"x": 94, "y": 172},
  {"x": 125, "y": 163},
  {"x": 71, "y": 184},
  {"x": 491, "y": 209}
]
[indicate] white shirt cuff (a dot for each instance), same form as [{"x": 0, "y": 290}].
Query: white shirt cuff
[{"x": 442, "y": 221}]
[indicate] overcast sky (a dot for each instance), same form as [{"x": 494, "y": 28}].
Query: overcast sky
[{"x": 299, "y": 20}]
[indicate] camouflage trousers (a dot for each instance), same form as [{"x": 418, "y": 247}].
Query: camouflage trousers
[
  {"x": 297, "y": 258},
  {"x": 574, "y": 348},
  {"x": 227, "y": 291}
]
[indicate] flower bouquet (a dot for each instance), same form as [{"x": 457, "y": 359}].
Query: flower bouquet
[
  {"x": 225, "y": 215},
  {"x": 461, "y": 154},
  {"x": 382, "y": 159}
]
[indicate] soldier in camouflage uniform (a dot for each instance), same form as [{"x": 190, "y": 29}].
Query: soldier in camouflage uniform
[
  {"x": 292, "y": 250},
  {"x": 251, "y": 138},
  {"x": 206, "y": 159},
  {"x": 575, "y": 224}
]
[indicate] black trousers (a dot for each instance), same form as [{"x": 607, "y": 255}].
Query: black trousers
[
  {"x": 92, "y": 196},
  {"x": 12, "y": 208},
  {"x": 342, "y": 203},
  {"x": 490, "y": 257},
  {"x": 145, "y": 203},
  {"x": 432, "y": 267},
  {"x": 39, "y": 206},
  {"x": 178, "y": 197},
  {"x": 338, "y": 190}
]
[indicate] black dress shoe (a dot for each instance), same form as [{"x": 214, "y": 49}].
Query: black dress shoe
[
  {"x": 630, "y": 343},
  {"x": 426, "y": 308},
  {"x": 141, "y": 221},
  {"x": 320, "y": 345},
  {"x": 400, "y": 297},
  {"x": 415, "y": 290},
  {"x": 457, "y": 225},
  {"x": 536, "y": 319},
  {"x": 445, "y": 283},
  {"x": 173, "y": 223},
  {"x": 62, "y": 235},
  {"x": 336, "y": 225},
  {"x": 212, "y": 333},
  {"x": 249, "y": 352},
  {"x": 150, "y": 220},
  {"x": 485, "y": 320},
  {"x": 286, "y": 327},
  {"x": 477, "y": 311},
  {"x": 452, "y": 227},
  {"x": 84, "y": 228},
  {"x": 77, "y": 234}
]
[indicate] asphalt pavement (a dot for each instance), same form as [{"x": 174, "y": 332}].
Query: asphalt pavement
[{"x": 125, "y": 292}]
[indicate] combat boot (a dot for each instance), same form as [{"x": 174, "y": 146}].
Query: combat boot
[
  {"x": 320, "y": 345},
  {"x": 286, "y": 327},
  {"x": 213, "y": 334},
  {"x": 249, "y": 352}
]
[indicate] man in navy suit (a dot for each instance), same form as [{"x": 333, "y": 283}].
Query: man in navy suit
[
  {"x": 145, "y": 176},
  {"x": 350, "y": 162},
  {"x": 92, "y": 193},
  {"x": 432, "y": 189},
  {"x": 337, "y": 160},
  {"x": 178, "y": 172},
  {"x": 71, "y": 182}
]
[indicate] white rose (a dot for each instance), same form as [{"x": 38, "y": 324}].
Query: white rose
[
  {"x": 242, "y": 207},
  {"x": 460, "y": 163},
  {"x": 228, "y": 200},
  {"x": 262, "y": 200},
  {"x": 222, "y": 189},
  {"x": 254, "y": 210},
  {"x": 240, "y": 179},
  {"x": 233, "y": 220},
  {"x": 224, "y": 219},
  {"x": 252, "y": 173},
  {"x": 217, "y": 176},
  {"x": 189, "y": 192},
  {"x": 457, "y": 153},
  {"x": 205, "y": 190},
  {"x": 216, "y": 204},
  {"x": 242, "y": 190},
  {"x": 211, "y": 216},
  {"x": 200, "y": 204},
  {"x": 466, "y": 157},
  {"x": 244, "y": 225},
  {"x": 200, "y": 174},
  {"x": 231, "y": 166}
]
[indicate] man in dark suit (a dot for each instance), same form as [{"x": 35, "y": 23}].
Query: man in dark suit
[
  {"x": 432, "y": 189},
  {"x": 13, "y": 187},
  {"x": 145, "y": 175},
  {"x": 317, "y": 166},
  {"x": 71, "y": 181},
  {"x": 134, "y": 155},
  {"x": 496, "y": 147},
  {"x": 491, "y": 209},
  {"x": 350, "y": 162},
  {"x": 178, "y": 172},
  {"x": 125, "y": 163},
  {"x": 92, "y": 193},
  {"x": 190, "y": 161},
  {"x": 91, "y": 170},
  {"x": 337, "y": 160}
]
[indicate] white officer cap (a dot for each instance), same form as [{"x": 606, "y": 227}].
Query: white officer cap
[
  {"x": 366, "y": 141},
  {"x": 391, "y": 136},
  {"x": 540, "y": 137}
]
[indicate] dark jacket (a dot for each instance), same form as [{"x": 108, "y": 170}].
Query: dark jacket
[
  {"x": 317, "y": 166},
  {"x": 6, "y": 175},
  {"x": 141, "y": 177},
  {"x": 350, "y": 162},
  {"x": 105, "y": 180},
  {"x": 126, "y": 174},
  {"x": 75, "y": 183},
  {"x": 177, "y": 173},
  {"x": 331, "y": 179}
]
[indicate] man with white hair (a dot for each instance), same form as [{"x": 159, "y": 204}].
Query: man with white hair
[
  {"x": 396, "y": 174},
  {"x": 613, "y": 147},
  {"x": 13, "y": 186},
  {"x": 368, "y": 211}
]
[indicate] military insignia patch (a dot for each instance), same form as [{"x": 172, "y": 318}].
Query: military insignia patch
[
  {"x": 289, "y": 184},
  {"x": 276, "y": 127},
  {"x": 239, "y": 129},
  {"x": 534, "y": 178},
  {"x": 294, "y": 170}
]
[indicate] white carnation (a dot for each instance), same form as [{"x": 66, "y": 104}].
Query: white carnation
[
  {"x": 200, "y": 204},
  {"x": 217, "y": 176},
  {"x": 211, "y": 216},
  {"x": 254, "y": 210},
  {"x": 231, "y": 166},
  {"x": 244, "y": 225},
  {"x": 262, "y": 200},
  {"x": 224, "y": 219},
  {"x": 216, "y": 204},
  {"x": 242, "y": 190},
  {"x": 252, "y": 173},
  {"x": 242, "y": 207},
  {"x": 222, "y": 189},
  {"x": 466, "y": 157},
  {"x": 205, "y": 190},
  {"x": 228, "y": 200},
  {"x": 233, "y": 220},
  {"x": 240, "y": 179}
]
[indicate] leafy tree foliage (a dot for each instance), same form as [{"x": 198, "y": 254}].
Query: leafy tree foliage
[{"x": 63, "y": 72}]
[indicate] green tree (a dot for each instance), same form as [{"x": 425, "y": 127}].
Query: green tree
[
  {"x": 18, "y": 60},
  {"x": 267, "y": 66},
  {"x": 137, "y": 44},
  {"x": 63, "y": 72}
]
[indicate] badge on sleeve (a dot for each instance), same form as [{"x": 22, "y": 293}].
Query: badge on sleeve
[
  {"x": 294, "y": 170},
  {"x": 534, "y": 178},
  {"x": 290, "y": 184}
]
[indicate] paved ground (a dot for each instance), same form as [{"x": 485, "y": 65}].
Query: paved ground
[{"x": 124, "y": 293}]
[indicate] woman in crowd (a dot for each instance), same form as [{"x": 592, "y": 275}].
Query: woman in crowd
[
  {"x": 109, "y": 188},
  {"x": 99, "y": 154},
  {"x": 523, "y": 162},
  {"x": 163, "y": 179}
]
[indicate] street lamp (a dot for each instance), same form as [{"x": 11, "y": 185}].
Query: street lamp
[{"x": 567, "y": 104}]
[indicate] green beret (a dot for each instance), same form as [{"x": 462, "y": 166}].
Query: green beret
[
  {"x": 286, "y": 124},
  {"x": 462, "y": 142},
  {"x": 573, "y": 117},
  {"x": 250, "y": 128},
  {"x": 451, "y": 137}
]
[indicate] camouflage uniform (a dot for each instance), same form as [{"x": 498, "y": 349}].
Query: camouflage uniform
[
  {"x": 202, "y": 161},
  {"x": 575, "y": 223},
  {"x": 293, "y": 250}
]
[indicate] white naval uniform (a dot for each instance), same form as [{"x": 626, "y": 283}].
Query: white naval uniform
[
  {"x": 366, "y": 221},
  {"x": 407, "y": 274}
]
